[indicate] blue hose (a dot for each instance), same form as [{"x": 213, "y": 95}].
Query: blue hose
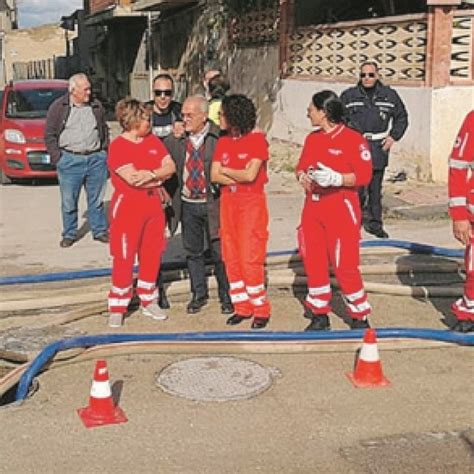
[
  {"x": 179, "y": 265},
  {"x": 414, "y": 247},
  {"x": 88, "y": 341}
]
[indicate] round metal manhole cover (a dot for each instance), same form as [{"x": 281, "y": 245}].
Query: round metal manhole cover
[{"x": 215, "y": 379}]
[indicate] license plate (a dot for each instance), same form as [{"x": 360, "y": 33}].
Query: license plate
[{"x": 40, "y": 158}]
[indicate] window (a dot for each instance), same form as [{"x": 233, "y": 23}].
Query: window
[{"x": 33, "y": 103}]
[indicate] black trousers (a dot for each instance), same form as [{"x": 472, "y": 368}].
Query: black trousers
[
  {"x": 371, "y": 201},
  {"x": 195, "y": 235}
]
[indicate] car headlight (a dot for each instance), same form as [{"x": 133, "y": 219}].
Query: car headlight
[{"x": 14, "y": 136}]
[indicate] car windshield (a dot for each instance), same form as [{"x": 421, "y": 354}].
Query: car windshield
[{"x": 31, "y": 103}]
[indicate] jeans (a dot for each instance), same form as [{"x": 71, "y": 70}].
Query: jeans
[
  {"x": 90, "y": 171},
  {"x": 195, "y": 225}
]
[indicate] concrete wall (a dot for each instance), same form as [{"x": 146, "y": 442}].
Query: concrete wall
[
  {"x": 259, "y": 79},
  {"x": 448, "y": 108},
  {"x": 32, "y": 44},
  {"x": 434, "y": 118},
  {"x": 189, "y": 43}
]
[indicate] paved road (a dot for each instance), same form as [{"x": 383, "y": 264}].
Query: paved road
[
  {"x": 310, "y": 420},
  {"x": 30, "y": 229}
]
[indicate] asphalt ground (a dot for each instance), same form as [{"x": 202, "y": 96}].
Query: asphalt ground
[{"x": 311, "y": 419}]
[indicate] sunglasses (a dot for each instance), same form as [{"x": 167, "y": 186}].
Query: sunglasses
[
  {"x": 165, "y": 92},
  {"x": 364, "y": 74}
]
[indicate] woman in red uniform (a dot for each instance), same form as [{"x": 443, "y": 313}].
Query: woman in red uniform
[
  {"x": 239, "y": 165},
  {"x": 461, "y": 210},
  {"x": 334, "y": 162},
  {"x": 138, "y": 164}
]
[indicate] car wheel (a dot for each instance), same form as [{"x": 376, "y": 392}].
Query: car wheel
[{"x": 4, "y": 179}]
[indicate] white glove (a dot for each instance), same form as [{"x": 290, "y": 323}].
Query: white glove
[{"x": 325, "y": 176}]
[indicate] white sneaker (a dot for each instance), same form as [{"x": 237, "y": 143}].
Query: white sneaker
[
  {"x": 153, "y": 311},
  {"x": 115, "y": 320}
]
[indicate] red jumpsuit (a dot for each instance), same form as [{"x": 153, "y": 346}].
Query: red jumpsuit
[
  {"x": 244, "y": 225},
  {"x": 137, "y": 223},
  {"x": 461, "y": 207},
  {"x": 330, "y": 222}
]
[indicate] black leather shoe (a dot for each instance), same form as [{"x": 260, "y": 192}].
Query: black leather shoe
[
  {"x": 380, "y": 233},
  {"x": 463, "y": 326},
  {"x": 104, "y": 238},
  {"x": 66, "y": 242},
  {"x": 236, "y": 319},
  {"x": 360, "y": 324},
  {"x": 319, "y": 323},
  {"x": 196, "y": 304},
  {"x": 227, "y": 308},
  {"x": 163, "y": 302},
  {"x": 259, "y": 323}
]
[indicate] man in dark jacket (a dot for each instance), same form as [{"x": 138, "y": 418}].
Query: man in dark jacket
[
  {"x": 196, "y": 201},
  {"x": 77, "y": 138},
  {"x": 166, "y": 120},
  {"x": 166, "y": 117},
  {"x": 378, "y": 112}
]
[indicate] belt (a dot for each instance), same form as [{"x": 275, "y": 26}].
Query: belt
[
  {"x": 375, "y": 136},
  {"x": 83, "y": 153}
]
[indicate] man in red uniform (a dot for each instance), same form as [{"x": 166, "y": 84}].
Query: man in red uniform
[
  {"x": 461, "y": 210},
  {"x": 334, "y": 162}
]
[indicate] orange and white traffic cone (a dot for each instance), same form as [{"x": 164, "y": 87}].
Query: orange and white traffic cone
[
  {"x": 101, "y": 410},
  {"x": 368, "y": 370}
]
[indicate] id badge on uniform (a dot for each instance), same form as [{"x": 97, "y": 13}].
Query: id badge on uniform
[{"x": 314, "y": 197}]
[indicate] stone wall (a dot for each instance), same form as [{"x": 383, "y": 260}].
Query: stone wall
[{"x": 48, "y": 40}]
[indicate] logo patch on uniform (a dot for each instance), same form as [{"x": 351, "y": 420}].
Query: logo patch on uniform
[
  {"x": 364, "y": 153},
  {"x": 153, "y": 152},
  {"x": 225, "y": 159},
  {"x": 242, "y": 156},
  {"x": 334, "y": 151}
]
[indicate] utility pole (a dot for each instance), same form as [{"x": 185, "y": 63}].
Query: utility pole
[{"x": 150, "y": 16}]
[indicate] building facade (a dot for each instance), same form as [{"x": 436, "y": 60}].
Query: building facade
[
  {"x": 281, "y": 51},
  {"x": 8, "y": 22}
]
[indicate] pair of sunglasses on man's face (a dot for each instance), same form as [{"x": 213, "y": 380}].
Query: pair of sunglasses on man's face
[
  {"x": 163, "y": 92},
  {"x": 364, "y": 74}
]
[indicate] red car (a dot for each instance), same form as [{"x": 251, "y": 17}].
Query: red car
[{"x": 22, "y": 122}]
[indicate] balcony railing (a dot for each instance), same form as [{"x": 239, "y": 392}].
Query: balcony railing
[
  {"x": 336, "y": 51},
  {"x": 398, "y": 44}
]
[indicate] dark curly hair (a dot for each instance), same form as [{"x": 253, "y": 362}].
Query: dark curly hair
[{"x": 239, "y": 112}]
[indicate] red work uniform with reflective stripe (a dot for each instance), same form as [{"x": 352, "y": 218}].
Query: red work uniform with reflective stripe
[
  {"x": 330, "y": 224},
  {"x": 137, "y": 223},
  {"x": 461, "y": 206},
  {"x": 244, "y": 225}
]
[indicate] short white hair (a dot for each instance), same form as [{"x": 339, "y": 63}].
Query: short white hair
[
  {"x": 74, "y": 79},
  {"x": 201, "y": 101}
]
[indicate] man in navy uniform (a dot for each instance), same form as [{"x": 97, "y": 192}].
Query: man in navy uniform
[{"x": 378, "y": 112}]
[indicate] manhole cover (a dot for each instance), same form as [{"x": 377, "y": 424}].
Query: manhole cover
[{"x": 215, "y": 379}]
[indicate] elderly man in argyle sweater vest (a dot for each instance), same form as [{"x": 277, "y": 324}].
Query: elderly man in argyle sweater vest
[{"x": 196, "y": 202}]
